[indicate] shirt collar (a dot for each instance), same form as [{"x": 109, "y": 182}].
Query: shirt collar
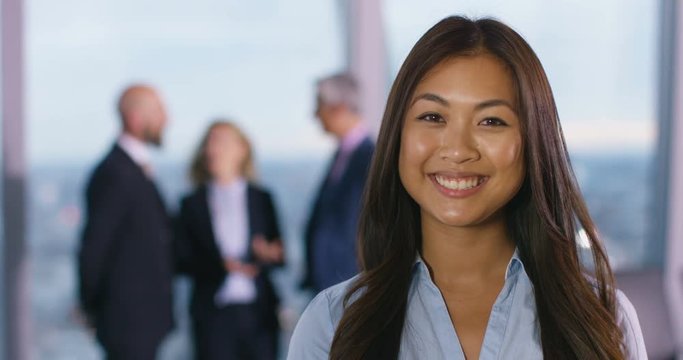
[
  {"x": 513, "y": 267},
  {"x": 237, "y": 187},
  {"x": 135, "y": 148},
  {"x": 353, "y": 138}
]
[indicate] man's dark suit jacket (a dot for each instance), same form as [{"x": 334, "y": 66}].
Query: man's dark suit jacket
[
  {"x": 125, "y": 259},
  {"x": 199, "y": 255},
  {"x": 333, "y": 224}
]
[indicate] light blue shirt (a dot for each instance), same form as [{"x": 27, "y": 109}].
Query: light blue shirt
[{"x": 511, "y": 333}]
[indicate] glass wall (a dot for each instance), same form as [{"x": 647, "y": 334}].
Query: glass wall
[
  {"x": 256, "y": 63},
  {"x": 252, "y": 62},
  {"x": 600, "y": 58},
  {"x": 3, "y": 289}
]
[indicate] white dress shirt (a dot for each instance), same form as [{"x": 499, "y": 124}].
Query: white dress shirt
[
  {"x": 230, "y": 220},
  {"x": 137, "y": 150}
]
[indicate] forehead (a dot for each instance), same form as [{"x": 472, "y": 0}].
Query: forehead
[
  {"x": 473, "y": 77},
  {"x": 222, "y": 131}
]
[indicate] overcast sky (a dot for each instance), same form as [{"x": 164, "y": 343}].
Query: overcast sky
[{"x": 256, "y": 61}]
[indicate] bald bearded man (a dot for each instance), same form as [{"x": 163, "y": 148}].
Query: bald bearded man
[{"x": 125, "y": 258}]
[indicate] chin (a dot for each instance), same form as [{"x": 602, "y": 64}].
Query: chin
[
  {"x": 462, "y": 219},
  {"x": 153, "y": 138},
  {"x": 455, "y": 220},
  {"x": 458, "y": 222},
  {"x": 155, "y": 141}
]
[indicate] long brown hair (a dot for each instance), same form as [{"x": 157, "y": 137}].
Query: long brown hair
[
  {"x": 199, "y": 172},
  {"x": 576, "y": 316}
]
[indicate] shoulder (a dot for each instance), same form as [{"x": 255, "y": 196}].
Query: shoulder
[
  {"x": 260, "y": 196},
  {"x": 315, "y": 330},
  {"x": 365, "y": 152},
  {"x": 361, "y": 159},
  {"x": 110, "y": 174},
  {"x": 113, "y": 167},
  {"x": 627, "y": 320},
  {"x": 258, "y": 190},
  {"x": 116, "y": 158},
  {"x": 367, "y": 147},
  {"x": 194, "y": 197},
  {"x": 192, "y": 203}
]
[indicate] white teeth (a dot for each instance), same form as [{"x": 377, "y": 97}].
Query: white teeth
[{"x": 458, "y": 184}]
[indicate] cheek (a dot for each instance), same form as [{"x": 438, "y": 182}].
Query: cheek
[
  {"x": 507, "y": 154},
  {"x": 210, "y": 162},
  {"x": 210, "y": 156},
  {"x": 516, "y": 155},
  {"x": 416, "y": 145},
  {"x": 215, "y": 152},
  {"x": 416, "y": 149},
  {"x": 235, "y": 150}
]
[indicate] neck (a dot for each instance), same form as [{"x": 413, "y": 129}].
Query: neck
[
  {"x": 227, "y": 178},
  {"x": 475, "y": 253},
  {"x": 137, "y": 137},
  {"x": 350, "y": 123}
]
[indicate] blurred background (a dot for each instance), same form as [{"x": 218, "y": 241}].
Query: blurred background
[{"x": 614, "y": 66}]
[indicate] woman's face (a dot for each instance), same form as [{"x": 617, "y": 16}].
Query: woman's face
[
  {"x": 461, "y": 156},
  {"x": 225, "y": 151}
]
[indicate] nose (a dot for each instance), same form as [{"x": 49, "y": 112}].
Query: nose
[{"x": 458, "y": 144}]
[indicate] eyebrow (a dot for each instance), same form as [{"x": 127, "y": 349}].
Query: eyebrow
[
  {"x": 441, "y": 101},
  {"x": 494, "y": 102},
  {"x": 430, "y": 97}
]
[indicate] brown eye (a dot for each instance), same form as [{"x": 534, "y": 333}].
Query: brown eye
[
  {"x": 493, "y": 121},
  {"x": 431, "y": 117}
]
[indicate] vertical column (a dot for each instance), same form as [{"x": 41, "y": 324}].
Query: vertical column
[
  {"x": 367, "y": 56},
  {"x": 15, "y": 304},
  {"x": 671, "y": 133}
]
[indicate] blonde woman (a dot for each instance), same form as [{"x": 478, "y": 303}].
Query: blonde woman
[{"x": 228, "y": 240}]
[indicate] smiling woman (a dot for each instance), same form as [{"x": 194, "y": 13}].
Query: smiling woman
[
  {"x": 461, "y": 161},
  {"x": 467, "y": 234}
]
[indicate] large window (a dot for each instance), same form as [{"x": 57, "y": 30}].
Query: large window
[
  {"x": 600, "y": 59},
  {"x": 252, "y": 62},
  {"x": 3, "y": 286}
]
